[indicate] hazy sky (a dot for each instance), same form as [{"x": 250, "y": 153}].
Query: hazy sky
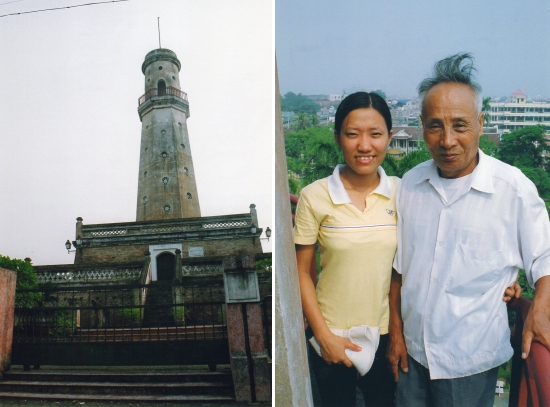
[
  {"x": 69, "y": 128},
  {"x": 328, "y": 46}
]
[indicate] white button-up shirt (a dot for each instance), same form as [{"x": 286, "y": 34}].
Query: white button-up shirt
[{"x": 458, "y": 257}]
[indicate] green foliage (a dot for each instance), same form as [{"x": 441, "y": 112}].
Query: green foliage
[
  {"x": 527, "y": 292},
  {"x": 380, "y": 92},
  {"x": 523, "y": 148},
  {"x": 304, "y": 121},
  {"x": 264, "y": 265},
  {"x": 132, "y": 315},
  {"x": 487, "y": 146},
  {"x": 26, "y": 279},
  {"x": 540, "y": 178},
  {"x": 311, "y": 154},
  {"x": 63, "y": 324},
  {"x": 298, "y": 103},
  {"x": 412, "y": 159}
]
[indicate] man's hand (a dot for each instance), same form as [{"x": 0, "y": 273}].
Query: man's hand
[
  {"x": 537, "y": 324},
  {"x": 396, "y": 354},
  {"x": 333, "y": 349},
  {"x": 514, "y": 291}
]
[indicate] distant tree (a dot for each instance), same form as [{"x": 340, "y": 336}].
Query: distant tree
[
  {"x": 390, "y": 165},
  {"x": 323, "y": 154},
  {"x": 26, "y": 279},
  {"x": 487, "y": 145},
  {"x": 523, "y": 148},
  {"x": 486, "y": 108},
  {"x": 412, "y": 159},
  {"x": 298, "y": 103},
  {"x": 540, "y": 178},
  {"x": 380, "y": 92}
]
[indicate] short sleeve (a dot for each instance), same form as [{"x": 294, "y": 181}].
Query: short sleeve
[{"x": 306, "y": 225}]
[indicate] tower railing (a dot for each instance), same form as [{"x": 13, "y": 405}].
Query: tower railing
[{"x": 169, "y": 91}]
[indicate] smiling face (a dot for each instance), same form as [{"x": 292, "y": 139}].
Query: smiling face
[
  {"x": 364, "y": 139},
  {"x": 452, "y": 128}
]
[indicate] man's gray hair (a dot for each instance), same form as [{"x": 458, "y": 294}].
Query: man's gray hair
[{"x": 457, "y": 68}]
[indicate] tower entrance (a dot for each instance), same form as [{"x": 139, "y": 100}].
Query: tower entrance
[{"x": 166, "y": 266}]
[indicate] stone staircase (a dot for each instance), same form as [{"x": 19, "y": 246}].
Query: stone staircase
[
  {"x": 129, "y": 384},
  {"x": 157, "y": 306}
]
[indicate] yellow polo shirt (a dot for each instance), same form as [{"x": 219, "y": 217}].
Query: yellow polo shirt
[{"x": 357, "y": 249}]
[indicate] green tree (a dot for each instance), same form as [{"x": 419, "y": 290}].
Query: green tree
[
  {"x": 298, "y": 103},
  {"x": 304, "y": 121},
  {"x": 540, "y": 178},
  {"x": 523, "y": 148},
  {"x": 380, "y": 92},
  {"x": 26, "y": 279},
  {"x": 487, "y": 145},
  {"x": 486, "y": 108}
]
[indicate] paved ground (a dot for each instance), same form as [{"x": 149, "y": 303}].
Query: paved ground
[{"x": 33, "y": 403}]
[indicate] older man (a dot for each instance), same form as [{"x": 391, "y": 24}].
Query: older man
[{"x": 467, "y": 224}]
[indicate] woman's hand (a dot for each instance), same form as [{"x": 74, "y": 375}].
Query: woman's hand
[
  {"x": 514, "y": 291},
  {"x": 333, "y": 348}
]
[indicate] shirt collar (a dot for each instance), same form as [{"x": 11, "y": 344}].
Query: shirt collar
[
  {"x": 339, "y": 195},
  {"x": 482, "y": 179}
]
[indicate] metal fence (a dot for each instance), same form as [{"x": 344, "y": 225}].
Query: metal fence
[
  {"x": 267, "y": 321},
  {"x": 121, "y": 325}
]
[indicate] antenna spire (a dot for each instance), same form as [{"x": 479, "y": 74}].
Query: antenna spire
[{"x": 158, "y": 23}]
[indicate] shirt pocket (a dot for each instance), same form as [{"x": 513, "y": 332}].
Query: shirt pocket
[{"x": 474, "y": 270}]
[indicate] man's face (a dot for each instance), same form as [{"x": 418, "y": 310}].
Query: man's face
[{"x": 452, "y": 128}]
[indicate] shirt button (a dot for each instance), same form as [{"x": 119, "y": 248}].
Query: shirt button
[{"x": 440, "y": 243}]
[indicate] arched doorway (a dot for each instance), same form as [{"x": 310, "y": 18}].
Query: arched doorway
[
  {"x": 166, "y": 265},
  {"x": 162, "y": 88}
]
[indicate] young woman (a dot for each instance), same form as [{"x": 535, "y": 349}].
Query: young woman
[{"x": 352, "y": 216}]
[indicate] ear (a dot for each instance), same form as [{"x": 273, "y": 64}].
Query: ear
[
  {"x": 390, "y": 137},
  {"x": 481, "y": 116}
]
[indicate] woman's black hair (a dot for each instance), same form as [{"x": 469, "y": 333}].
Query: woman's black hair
[{"x": 360, "y": 100}]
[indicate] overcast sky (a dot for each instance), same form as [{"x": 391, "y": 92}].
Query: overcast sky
[
  {"x": 327, "y": 46},
  {"x": 69, "y": 128}
]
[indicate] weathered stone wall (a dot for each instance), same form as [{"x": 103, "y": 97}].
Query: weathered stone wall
[
  {"x": 8, "y": 280},
  {"x": 212, "y": 248}
]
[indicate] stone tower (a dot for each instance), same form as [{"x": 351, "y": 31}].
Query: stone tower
[{"x": 166, "y": 188}]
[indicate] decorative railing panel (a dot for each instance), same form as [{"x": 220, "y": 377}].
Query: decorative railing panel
[
  {"x": 169, "y": 91},
  {"x": 93, "y": 275},
  {"x": 161, "y": 227},
  {"x": 201, "y": 269}
]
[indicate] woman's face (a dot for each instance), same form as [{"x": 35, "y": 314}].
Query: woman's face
[{"x": 364, "y": 140}]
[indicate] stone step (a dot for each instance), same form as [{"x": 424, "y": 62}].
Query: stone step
[
  {"x": 189, "y": 398},
  {"x": 117, "y": 377},
  {"x": 104, "y": 388}
]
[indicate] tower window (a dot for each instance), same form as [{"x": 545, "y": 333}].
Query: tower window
[
  {"x": 185, "y": 170},
  {"x": 164, "y": 154},
  {"x": 145, "y": 174},
  {"x": 189, "y": 196},
  {"x": 162, "y": 88},
  {"x": 145, "y": 199},
  {"x": 173, "y": 77},
  {"x": 166, "y": 208},
  {"x": 165, "y": 180},
  {"x": 160, "y": 68},
  {"x": 182, "y": 145}
]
